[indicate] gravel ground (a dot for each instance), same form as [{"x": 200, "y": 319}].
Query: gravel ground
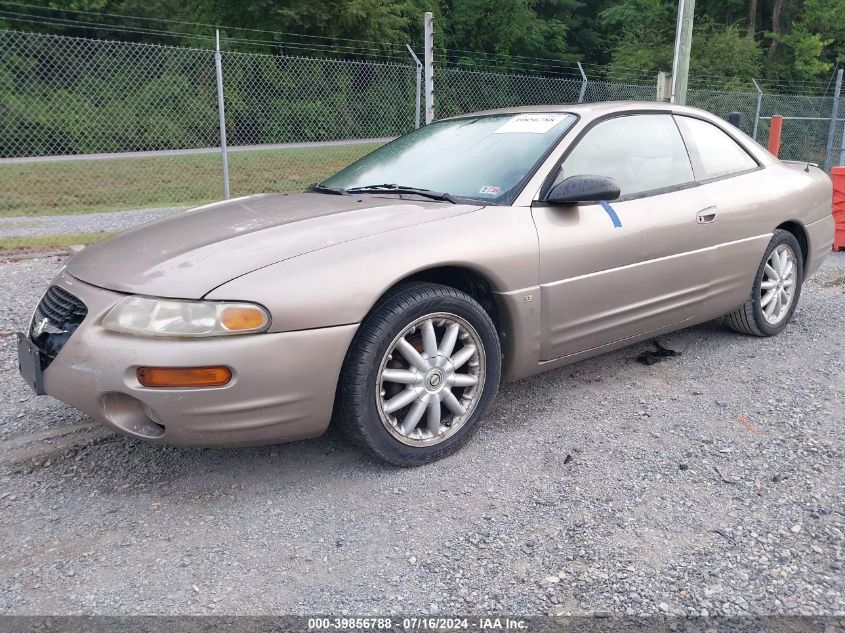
[
  {"x": 79, "y": 223},
  {"x": 711, "y": 482}
]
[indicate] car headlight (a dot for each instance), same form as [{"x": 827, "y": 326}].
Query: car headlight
[{"x": 146, "y": 316}]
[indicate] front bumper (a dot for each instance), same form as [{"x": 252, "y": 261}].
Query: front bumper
[{"x": 282, "y": 386}]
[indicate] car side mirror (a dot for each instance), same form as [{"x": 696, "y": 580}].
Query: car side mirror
[{"x": 583, "y": 189}]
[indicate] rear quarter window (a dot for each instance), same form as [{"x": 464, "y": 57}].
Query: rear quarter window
[{"x": 714, "y": 154}]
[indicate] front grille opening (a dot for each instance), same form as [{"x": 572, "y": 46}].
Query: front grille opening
[{"x": 56, "y": 318}]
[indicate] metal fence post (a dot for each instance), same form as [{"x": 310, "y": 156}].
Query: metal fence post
[
  {"x": 757, "y": 111},
  {"x": 419, "y": 83},
  {"x": 583, "y": 83},
  {"x": 221, "y": 111},
  {"x": 842, "y": 146},
  {"x": 834, "y": 114},
  {"x": 429, "y": 67}
]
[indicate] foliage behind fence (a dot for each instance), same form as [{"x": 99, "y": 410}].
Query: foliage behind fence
[{"x": 62, "y": 95}]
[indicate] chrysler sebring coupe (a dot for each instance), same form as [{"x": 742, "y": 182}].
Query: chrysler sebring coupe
[{"x": 394, "y": 296}]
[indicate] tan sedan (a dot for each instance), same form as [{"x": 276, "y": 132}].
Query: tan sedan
[{"x": 394, "y": 296}]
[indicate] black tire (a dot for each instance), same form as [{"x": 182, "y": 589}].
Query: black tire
[
  {"x": 749, "y": 319},
  {"x": 357, "y": 407}
]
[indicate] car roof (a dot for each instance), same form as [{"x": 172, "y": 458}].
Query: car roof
[{"x": 593, "y": 109}]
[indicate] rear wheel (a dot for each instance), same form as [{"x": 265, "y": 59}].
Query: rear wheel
[
  {"x": 421, "y": 373},
  {"x": 776, "y": 290}
]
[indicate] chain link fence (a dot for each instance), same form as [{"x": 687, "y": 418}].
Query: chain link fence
[
  {"x": 103, "y": 126},
  {"x": 460, "y": 91},
  {"x": 806, "y": 126},
  {"x": 132, "y": 130},
  {"x": 63, "y": 96},
  {"x": 723, "y": 103},
  {"x": 340, "y": 109}
]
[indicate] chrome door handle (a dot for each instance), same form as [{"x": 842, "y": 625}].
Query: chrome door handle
[{"x": 705, "y": 216}]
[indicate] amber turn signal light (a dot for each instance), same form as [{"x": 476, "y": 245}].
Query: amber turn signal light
[
  {"x": 183, "y": 376},
  {"x": 240, "y": 318}
]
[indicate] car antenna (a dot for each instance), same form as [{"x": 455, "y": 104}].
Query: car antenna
[{"x": 821, "y": 105}]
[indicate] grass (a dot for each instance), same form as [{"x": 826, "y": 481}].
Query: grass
[
  {"x": 85, "y": 186},
  {"x": 47, "y": 242}
]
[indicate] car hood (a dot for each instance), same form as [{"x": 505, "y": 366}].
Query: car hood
[{"x": 189, "y": 254}]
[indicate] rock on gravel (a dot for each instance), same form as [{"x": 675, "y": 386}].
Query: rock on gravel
[{"x": 594, "y": 489}]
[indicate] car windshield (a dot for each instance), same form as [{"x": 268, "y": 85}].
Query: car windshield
[{"x": 483, "y": 157}]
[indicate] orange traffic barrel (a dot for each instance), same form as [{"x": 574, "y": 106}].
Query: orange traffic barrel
[{"x": 837, "y": 175}]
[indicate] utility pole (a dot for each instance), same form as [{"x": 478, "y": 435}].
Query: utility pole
[
  {"x": 429, "y": 67},
  {"x": 683, "y": 46}
]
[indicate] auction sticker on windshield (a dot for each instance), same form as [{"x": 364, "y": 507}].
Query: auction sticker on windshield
[{"x": 531, "y": 123}]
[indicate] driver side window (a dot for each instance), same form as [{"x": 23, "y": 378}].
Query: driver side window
[{"x": 642, "y": 152}]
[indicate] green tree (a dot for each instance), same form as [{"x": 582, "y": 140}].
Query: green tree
[
  {"x": 504, "y": 27},
  {"x": 813, "y": 44}
]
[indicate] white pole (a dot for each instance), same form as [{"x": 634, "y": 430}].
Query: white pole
[
  {"x": 419, "y": 82},
  {"x": 429, "y": 67},
  {"x": 221, "y": 110}
]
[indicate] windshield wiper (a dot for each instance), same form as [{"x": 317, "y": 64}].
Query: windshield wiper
[
  {"x": 320, "y": 188},
  {"x": 388, "y": 188}
]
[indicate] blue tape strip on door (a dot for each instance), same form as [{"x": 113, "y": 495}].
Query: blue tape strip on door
[{"x": 610, "y": 212}]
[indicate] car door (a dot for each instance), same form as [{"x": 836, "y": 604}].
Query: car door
[
  {"x": 611, "y": 271},
  {"x": 739, "y": 187}
]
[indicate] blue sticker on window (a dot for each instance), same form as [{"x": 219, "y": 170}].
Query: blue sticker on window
[{"x": 612, "y": 214}]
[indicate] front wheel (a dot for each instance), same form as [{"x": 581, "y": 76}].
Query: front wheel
[
  {"x": 776, "y": 290},
  {"x": 420, "y": 374}
]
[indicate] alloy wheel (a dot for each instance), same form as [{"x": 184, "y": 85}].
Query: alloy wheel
[
  {"x": 430, "y": 379},
  {"x": 777, "y": 289}
]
